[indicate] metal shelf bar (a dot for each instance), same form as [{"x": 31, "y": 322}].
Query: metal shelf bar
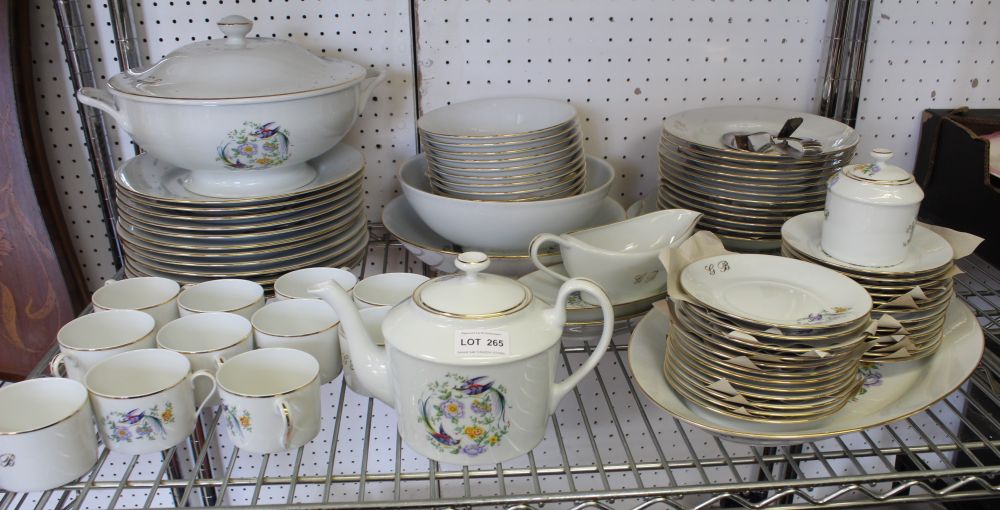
[{"x": 915, "y": 480}]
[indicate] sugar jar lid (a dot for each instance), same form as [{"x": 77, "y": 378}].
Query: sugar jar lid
[
  {"x": 472, "y": 294},
  {"x": 880, "y": 172},
  {"x": 237, "y": 67}
]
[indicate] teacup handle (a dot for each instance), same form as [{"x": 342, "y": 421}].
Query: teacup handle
[
  {"x": 536, "y": 244},
  {"x": 60, "y": 360},
  {"x": 561, "y": 388},
  {"x": 281, "y": 406},
  {"x": 215, "y": 385}
]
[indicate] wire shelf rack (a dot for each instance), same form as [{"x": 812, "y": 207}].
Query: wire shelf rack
[{"x": 606, "y": 447}]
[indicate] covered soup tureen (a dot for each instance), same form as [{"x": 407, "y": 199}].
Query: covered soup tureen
[{"x": 244, "y": 114}]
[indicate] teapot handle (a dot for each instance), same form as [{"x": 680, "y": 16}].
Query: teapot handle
[{"x": 561, "y": 388}]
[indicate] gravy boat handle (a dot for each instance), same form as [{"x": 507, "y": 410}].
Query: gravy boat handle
[{"x": 537, "y": 243}]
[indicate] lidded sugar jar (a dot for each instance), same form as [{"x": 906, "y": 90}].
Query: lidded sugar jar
[{"x": 871, "y": 210}]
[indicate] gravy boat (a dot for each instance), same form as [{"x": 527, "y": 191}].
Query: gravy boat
[{"x": 621, "y": 257}]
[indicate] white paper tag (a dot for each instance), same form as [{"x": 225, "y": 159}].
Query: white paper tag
[{"x": 475, "y": 342}]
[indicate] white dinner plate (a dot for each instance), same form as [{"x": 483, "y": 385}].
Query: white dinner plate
[
  {"x": 775, "y": 291},
  {"x": 892, "y": 391},
  {"x": 704, "y": 127},
  {"x": 157, "y": 180}
]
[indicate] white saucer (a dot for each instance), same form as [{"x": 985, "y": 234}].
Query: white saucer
[
  {"x": 928, "y": 250},
  {"x": 578, "y": 311},
  {"x": 157, "y": 180},
  {"x": 642, "y": 206},
  {"x": 403, "y": 222},
  {"x": 892, "y": 391}
]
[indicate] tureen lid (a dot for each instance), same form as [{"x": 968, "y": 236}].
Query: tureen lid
[
  {"x": 877, "y": 183},
  {"x": 472, "y": 294},
  {"x": 238, "y": 67}
]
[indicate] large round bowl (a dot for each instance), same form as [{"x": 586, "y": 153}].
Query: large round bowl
[
  {"x": 243, "y": 114},
  {"x": 502, "y": 227}
]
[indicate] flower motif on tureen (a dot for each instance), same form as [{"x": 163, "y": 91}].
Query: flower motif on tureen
[
  {"x": 255, "y": 146},
  {"x": 450, "y": 428}
]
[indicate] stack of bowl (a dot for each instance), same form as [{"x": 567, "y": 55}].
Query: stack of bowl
[
  {"x": 169, "y": 231},
  {"x": 767, "y": 339},
  {"x": 746, "y": 196},
  {"x": 506, "y": 200},
  {"x": 910, "y": 298},
  {"x": 504, "y": 149}
]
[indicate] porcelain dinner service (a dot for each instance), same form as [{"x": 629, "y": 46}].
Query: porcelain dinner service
[
  {"x": 745, "y": 196},
  {"x": 266, "y": 202}
]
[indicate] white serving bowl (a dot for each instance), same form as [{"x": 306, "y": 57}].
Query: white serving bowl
[
  {"x": 509, "y": 118},
  {"x": 439, "y": 254},
  {"x": 502, "y": 226}
]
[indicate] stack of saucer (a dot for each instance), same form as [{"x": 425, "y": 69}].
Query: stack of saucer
[
  {"x": 504, "y": 149},
  {"x": 766, "y": 339},
  {"x": 746, "y": 196},
  {"x": 910, "y": 298},
  {"x": 166, "y": 230}
]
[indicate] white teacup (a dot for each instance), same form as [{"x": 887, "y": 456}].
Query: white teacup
[
  {"x": 295, "y": 285},
  {"x": 621, "y": 257},
  {"x": 46, "y": 434},
  {"x": 207, "y": 340},
  {"x": 270, "y": 399},
  {"x": 386, "y": 289},
  {"x": 308, "y": 325},
  {"x": 92, "y": 338},
  {"x": 372, "y": 319},
  {"x": 151, "y": 294},
  {"x": 242, "y": 297},
  {"x": 144, "y": 400}
]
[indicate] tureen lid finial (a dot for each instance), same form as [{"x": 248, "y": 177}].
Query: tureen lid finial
[{"x": 236, "y": 28}]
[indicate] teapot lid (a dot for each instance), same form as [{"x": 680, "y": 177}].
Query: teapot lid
[
  {"x": 238, "y": 67},
  {"x": 472, "y": 294},
  {"x": 880, "y": 172}
]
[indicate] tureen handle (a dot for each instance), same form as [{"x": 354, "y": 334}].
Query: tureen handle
[
  {"x": 102, "y": 100},
  {"x": 373, "y": 79},
  {"x": 561, "y": 388}
]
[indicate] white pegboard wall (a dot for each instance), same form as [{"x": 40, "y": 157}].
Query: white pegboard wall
[
  {"x": 926, "y": 54},
  {"x": 625, "y": 65}
]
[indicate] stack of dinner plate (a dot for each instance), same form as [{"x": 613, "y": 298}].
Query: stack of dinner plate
[
  {"x": 166, "y": 230},
  {"x": 504, "y": 149},
  {"x": 910, "y": 298},
  {"x": 746, "y": 196},
  {"x": 767, "y": 338}
]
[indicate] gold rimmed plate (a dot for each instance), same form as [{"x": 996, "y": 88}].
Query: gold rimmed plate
[{"x": 160, "y": 182}]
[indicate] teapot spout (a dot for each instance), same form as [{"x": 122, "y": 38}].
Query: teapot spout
[{"x": 370, "y": 361}]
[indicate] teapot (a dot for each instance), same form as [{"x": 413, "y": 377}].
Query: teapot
[
  {"x": 470, "y": 361},
  {"x": 871, "y": 210}
]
